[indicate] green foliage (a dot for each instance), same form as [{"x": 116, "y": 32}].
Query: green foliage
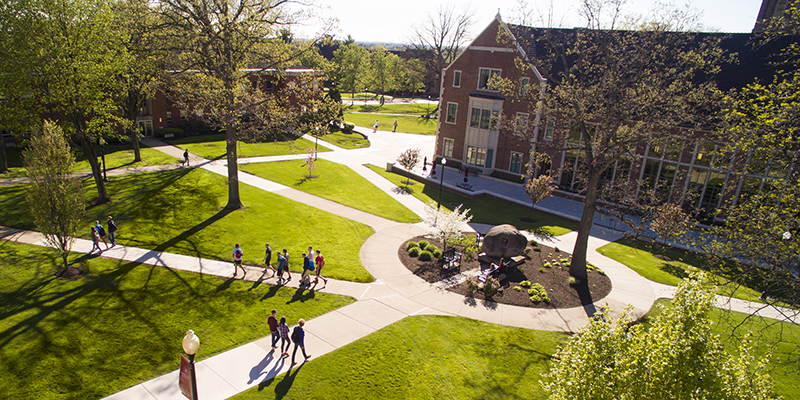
[
  {"x": 425, "y": 255},
  {"x": 55, "y": 196},
  {"x": 573, "y": 281},
  {"x": 537, "y": 249},
  {"x": 351, "y": 63},
  {"x": 541, "y": 269},
  {"x": 348, "y": 127},
  {"x": 437, "y": 254},
  {"x": 423, "y": 244},
  {"x": 164, "y": 132},
  {"x": 525, "y": 283},
  {"x": 517, "y": 288},
  {"x": 678, "y": 357},
  {"x": 431, "y": 248},
  {"x": 547, "y": 265},
  {"x": 414, "y": 251},
  {"x": 411, "y": 245},
  {"x": 538, "y": 293},
  {"x": 490, "y": 287}
]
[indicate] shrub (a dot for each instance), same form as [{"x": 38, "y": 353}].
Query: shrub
[
  {"x": 573, "y": 281},
  {"x": 163, "y": 132},
  {"x": 527, "y": 251},
  {"x": 413, "y": 252},
  {"x": 437, "y": 254},
  {"x": 423, "y": 244},
  {"x": 533, "y": 242},
  {"x": 537, "y": 249},
  {"x": 538, "y": 293},
  {"x": 517, "y": 288},
  {"x": 431, "y": 248},
  {"x": 425, "y": 255},
  {"x": 535, "y": 298},
  {"x": 601, "y": 272},
  {"x": 411, "y": 245},
  {"x": 348, "y": 127},
  {"x": 548, "y": 265},
  {"x": 556, "y": 250},
  {"x": 525, "y": 284},
  {"x": 565, "y": 260},
  {"x": 490, "y": 287},
  {"x": 472, "y": 284},
  {"x": 541, "y": 269}
]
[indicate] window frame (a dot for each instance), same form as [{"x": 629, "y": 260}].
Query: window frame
[
  {"x": 455, "y": 113},
  {"x": 491, "y": 73},
  {"x": 457, "y": 78},
  {"x": 447, "y": 147}
]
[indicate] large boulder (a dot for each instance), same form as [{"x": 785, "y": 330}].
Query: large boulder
[{"x": 504, "y": 241}]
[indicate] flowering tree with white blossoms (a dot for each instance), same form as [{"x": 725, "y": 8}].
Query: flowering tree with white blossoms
[{"x": 448, "y": 224}]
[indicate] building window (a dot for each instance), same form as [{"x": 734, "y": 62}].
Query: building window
[
  {"x": 452, "y": 109},
  {"x": 549, "y": 129},
  {"x": 169, "y": 117},
  {"x": 484, "y": 76},
  {"x": 269, "y": 87},
  {"x": 483, "y": 119},
  {"x": 456, "y": 78},
  {"x": 515, "y": 165},
  {"x": 521, "y": 123},
  {"x": 476, "y": 156},
  {"x": 524, "y": 85},
  {"x": 447, "y": 151}
]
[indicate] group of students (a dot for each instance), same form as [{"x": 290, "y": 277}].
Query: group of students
[
  {"x": 99, "y": 233},
  {"x": 311, "y": 264},
  {"x": 279, "y": 330}
]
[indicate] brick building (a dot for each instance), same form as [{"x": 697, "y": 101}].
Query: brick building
[{"x": 468, "y": 131}]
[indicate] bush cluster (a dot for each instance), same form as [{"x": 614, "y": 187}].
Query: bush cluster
[{"x": 538, "y": 293}]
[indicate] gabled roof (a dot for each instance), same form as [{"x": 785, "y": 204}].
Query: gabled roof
[{"x": 756, "y": 58}]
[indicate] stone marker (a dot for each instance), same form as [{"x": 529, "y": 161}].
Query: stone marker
[{"x": 504, "y": 241}]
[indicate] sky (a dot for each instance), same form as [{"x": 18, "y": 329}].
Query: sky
[{"x": 392, "y": 21}]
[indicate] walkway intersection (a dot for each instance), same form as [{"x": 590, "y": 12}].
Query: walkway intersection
[{"x": 395, "y": 294}]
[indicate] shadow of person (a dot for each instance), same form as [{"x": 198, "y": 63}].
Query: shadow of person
[
  {"x": 282, "y": 388},
  {"x": 258, "y": 369}
]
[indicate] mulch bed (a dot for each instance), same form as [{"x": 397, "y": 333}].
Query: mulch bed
[
  {"x": 69, "y": 274},
  {"x": 554, "y": 279}
]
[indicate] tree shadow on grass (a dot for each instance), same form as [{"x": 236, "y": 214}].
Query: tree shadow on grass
[{"x": 674, "y": 270}]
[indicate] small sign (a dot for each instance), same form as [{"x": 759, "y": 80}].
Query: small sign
[{"x": 185, "y": 378}]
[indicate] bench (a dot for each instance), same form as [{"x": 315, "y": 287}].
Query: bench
[
  {"x": 451, "y": 258},
  {"x": 465, "y": 186},
  {"x": 472, "y": 170}
]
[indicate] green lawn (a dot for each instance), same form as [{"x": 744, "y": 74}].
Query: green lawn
[
  {"x": 122, "y": 323},
  {"x": 404, "y": 124},
  {"x": 640, "y": 257},
  {"x": 335, "y": 182},
  {"x": 212, "y": 147},
  {"x": 346, "y": 140},
  {"x": 117, "y": 156},
  {"x": 406, "y": 108},
  {"x": 781, "y": 338},
  {"x": 486, "y": 210},
  {"x": 180, "y": 211},
  {"x": 417, "y": 358}
]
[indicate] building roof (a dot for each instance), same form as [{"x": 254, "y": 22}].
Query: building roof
[{"x": 755, "y": 58}]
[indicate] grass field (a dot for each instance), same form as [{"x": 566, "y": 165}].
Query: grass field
[
  {"x": 346, "y": 140},
  {"x": 117, "y": 156},
  {"x": 640, "y": 257},
  {"x": 406, "y": 124},
  {"x": 122, "y": 323},
  {"x": 212, "y": 147},
  {"x": 335, "y": 182},
  {"x": 180, "y": 211},
  {"x": 424, "y": 357},
  {"x": 485, "y": 210},
  {"x": 405, "y": 108}
]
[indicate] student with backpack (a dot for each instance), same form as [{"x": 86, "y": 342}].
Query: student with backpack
[
  {"x": 237, "y": 260},
  {"x": 320, "y": 263},
  {"x": 299, "y": 337},
  {"x": 101, "y": 233},
  {"x": 112, "y": 231}
]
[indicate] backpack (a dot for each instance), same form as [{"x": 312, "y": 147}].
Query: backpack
[
  {"x": 100, "y": 230},
  {"x": 310, "y": 265},
  {"x": 296, "y": 334}
]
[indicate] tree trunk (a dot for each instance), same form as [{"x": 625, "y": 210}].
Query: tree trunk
[
  {"x": 577, "y": 267},
  {"x": 3, "y": 160},
  {"x": 234, "y": 201},
  {"x": 137, "y": 156},
  {"x": 91, "y": 154}
]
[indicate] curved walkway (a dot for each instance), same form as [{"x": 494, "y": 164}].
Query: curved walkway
[{"x": 395, "y": 294}]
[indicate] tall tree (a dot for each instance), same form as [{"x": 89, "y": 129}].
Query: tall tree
[
  {"x": 611, "y": 89},
  {"x": 55, "y": 195},
  {"x": 380, "y": 78},
  {"x": 442, "y": 33},
  {"x": 144, "y": 67},
  {"x": 351, "y": 63},
  {"x": 64, "y": 59},
  {"x": 226, "y": 51}
]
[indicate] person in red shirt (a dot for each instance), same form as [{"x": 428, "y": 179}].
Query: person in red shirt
[
  {"x": 272, "y": 321},
  {"x": 320, "y": 263}
]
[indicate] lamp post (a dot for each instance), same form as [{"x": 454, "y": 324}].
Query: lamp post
[
  {"x": 441, "y": 183},
  {"x": 316, "y": 143},
  {"x": 190, "y": 344}
]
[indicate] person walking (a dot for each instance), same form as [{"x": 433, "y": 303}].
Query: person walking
[
  {"x": 320, "y": 263},
  {"x": 101, "y": 233},
  {"x": 305, "y": 275},
  {"x": 268, "y": 259},
  {"x": 95, "y": 240},
  {"x": 237, "y": 260},
  {"x": 280, "y": 267},
  {"x": 375, "y": 126},
  {"x": 272, "y": 321},
  {"x": 112, "y": 231},
  {"x": 286, "y": 265},
  {"x": 299, "y": 338},
  {"x": 394, "y": 127},
  {"x": 283, "y": 329},
  {"x": 185, "y": 158}
]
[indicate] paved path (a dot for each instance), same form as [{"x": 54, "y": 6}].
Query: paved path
[{"x": 395, "y": 294}]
